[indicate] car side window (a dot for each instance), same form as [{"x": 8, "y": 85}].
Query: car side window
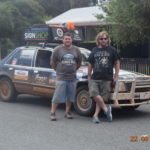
[
  {"x": 43, "y": 59},
  {"x": 23, "y": 58}
]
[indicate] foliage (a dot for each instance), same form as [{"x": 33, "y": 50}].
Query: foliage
[
  {"x": 16, "y": 15},
  {"x": 56, "y": 7},
  {"x": 7, "y": 25},
  {"x": 6, "y": 45},
  {"x": 130, "y": 19}
]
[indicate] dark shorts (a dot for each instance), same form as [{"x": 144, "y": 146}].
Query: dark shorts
[
  {"x": 99, "y": 87},
  {"x": 65, "y": 90}
]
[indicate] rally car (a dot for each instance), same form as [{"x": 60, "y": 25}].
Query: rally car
[{"x": 27, "y": 70}]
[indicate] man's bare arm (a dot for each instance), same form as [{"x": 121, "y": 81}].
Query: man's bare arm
[
  {"x": 53, "y": 65},
  {"x": 117, "y": 68},
  {"x": 89, "y": 71}
]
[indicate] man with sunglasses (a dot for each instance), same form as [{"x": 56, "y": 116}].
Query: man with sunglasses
[{"x": 100, "y": 74}]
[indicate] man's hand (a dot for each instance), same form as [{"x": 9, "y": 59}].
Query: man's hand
[
  {"x": 115, "y": 78},
  {"x": 89, "y": 77}
]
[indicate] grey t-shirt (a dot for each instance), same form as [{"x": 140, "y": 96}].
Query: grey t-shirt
[{"x": 66, "y": 61}]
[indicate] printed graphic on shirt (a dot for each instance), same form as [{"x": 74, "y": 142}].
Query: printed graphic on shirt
[
  {"x": 68, "y": 59},
  {"x": 104, "y": 61},
  {"x": 101, "y": 60}
]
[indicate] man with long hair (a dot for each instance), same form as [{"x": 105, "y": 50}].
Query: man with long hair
[{"x": 100, "y": 74}]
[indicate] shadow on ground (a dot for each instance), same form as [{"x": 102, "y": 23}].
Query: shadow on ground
[{"x": 118, "y": 113}]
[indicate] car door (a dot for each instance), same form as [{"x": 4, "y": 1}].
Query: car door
[
  {"x": 44, "y": 77},
  {"x": 19, "y": 67}
]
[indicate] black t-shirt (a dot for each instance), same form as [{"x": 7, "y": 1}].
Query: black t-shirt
[{"x": 102, "y": 61}]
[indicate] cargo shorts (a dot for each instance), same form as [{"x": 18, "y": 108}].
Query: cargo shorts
[{"x": 99, "y": 87}]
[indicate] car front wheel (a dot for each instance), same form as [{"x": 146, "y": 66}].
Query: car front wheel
[
  {"x": 7, "y": 90},
  {"x": 84, "y": 105}
]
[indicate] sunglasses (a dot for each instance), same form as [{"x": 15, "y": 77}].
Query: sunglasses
[{"x": 103, "y": 39}]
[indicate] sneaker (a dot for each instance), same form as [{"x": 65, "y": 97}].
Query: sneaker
[
  {"x": 53, "y": 117},
  {"x": 68, "y": 115},
  {"x": 109, "y": 114},
  {"x": 95, "y": 119}
]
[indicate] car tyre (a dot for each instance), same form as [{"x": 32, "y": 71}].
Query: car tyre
[
  {"x": 7, "y": 90},
  {"x": 84, "y": 105}
]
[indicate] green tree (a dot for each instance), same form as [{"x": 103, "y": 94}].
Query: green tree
[
  {"x": 8, "y": 13},
  {"x": 7, "y": 18},
  {"x": 56, "y": 7},
  {"x": 30, "y": 13},
  {"x": 16, "y": 15},
  {"x": 130, "y": 19}
]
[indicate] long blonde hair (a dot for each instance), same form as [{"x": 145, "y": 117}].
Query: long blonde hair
[{"x": 100, "y": 34}]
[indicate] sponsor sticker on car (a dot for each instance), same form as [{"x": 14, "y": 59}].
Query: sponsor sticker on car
[{"x": 21, "y": 75}]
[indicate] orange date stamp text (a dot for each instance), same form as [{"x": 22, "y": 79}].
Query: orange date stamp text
[{"x": 141, "y": 138}]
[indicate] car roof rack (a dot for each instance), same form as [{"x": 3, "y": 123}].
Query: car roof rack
[{"x": 51, "y": 45}]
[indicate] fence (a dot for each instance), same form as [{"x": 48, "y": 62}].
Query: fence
[{"x": 136, "y": 65}]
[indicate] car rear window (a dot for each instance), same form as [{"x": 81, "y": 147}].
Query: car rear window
[{"x": 23, "y": 57}]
